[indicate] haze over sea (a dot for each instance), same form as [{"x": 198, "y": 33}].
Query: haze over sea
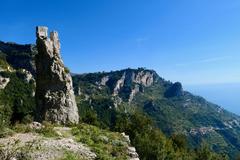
[{"x": 225, "y": 95}]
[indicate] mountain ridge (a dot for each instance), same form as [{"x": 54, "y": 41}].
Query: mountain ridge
[
  {"x": 172, "y": 109},
  {"x": 181, "y": 112}
]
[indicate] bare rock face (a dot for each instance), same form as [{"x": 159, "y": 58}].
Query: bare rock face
[
  {"x": 141, "y": 78},
  {"x": 144, "y": 78},
  {"x": 4, "y": 82},
  {"x": 54, "y": 91},
  {"x": 104, "y": 80},
  {"x": 131, "y": 150},
  {"x": 119, "y": 85}
]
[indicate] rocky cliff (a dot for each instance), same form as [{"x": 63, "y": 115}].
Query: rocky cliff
[
  {"x": 121, "y": 85},
  {"x": 55, "y": 98},
  {"x": 133, "y": 82}
]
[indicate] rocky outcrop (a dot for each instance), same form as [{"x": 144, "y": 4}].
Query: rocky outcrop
[
  {"x": 134, "y": 91},
  {"x": 144, "y": 78},
  {"x": 26, "y": 75},
  {"x": 131, "y": 150},
  {"x": 55, "y": 98},
  {"x": 34, "y": 146},
  {"x": 4, "y": 82},
  {"x": 119, "y": 85},
  {"x": 175, "y": 90},
  {"x": 202, "y": 130},
  {"x": 122, "y": 86},
  {"x": 104, "y": 80},
  {"x": 137, "y": 80}
]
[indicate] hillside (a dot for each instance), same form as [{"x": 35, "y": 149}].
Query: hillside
[
  {"x": 136, "y": 101},
  {"x": 172, "y": 109},
  {"x": 49, "y": 142},
  {"x": 21, "y": 138}
]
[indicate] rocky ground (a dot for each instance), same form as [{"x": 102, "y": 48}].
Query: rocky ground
[
  {"x": 64, "y": 145},
  {"x": 37, "y": 147}
]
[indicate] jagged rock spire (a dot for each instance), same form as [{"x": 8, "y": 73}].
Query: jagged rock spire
[{"x": 55, "y": 98}]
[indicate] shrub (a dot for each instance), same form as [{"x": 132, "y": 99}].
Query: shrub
[
  {"x": 47, "y": 130},
  {"x": 67, "y": 70},
  {"x": 16, "y": 99},
  {"x": 71, "y": 156},
  {"x": 105, "y": 144},
  {"x": 90, "y": 118}
]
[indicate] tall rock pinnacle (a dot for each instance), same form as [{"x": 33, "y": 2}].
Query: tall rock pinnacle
[{"x": 54, "y": 91}]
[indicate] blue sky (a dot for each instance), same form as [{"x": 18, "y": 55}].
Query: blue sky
[{"x": 191, "y": 41}]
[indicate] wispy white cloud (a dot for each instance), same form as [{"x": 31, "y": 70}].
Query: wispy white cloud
[{"x": 207, "y": 60}]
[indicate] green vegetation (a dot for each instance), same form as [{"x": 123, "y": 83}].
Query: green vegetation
[
  {"x": 159, "y": 124},
  {"x": 107, "y": 145},
  {"x": 176, "y": 114},
  {"x": 71, "y": 156},
  {"x": 101, "y": 113},
  {"x": 47, "y": 130},
  {"x": 66, "y": 69},
  {"x": 16, "y": 100},
  {"x": 152, "y": 144},
  {"x": 3, "y": 64}
]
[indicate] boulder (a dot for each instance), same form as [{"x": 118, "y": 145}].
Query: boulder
[{"x": 36, "y": 125}]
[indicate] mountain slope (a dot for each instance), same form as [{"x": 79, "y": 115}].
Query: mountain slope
[
  {"x": 49, "y": 142},
  {"x": 106, "y": 95},
  {"x": 173, "y": 110},
  {"x": 20, "y": 140},
  {"x": 19, "y": 56}
]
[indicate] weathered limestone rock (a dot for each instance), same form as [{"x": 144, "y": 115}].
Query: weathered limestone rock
[
  {"x": 126, "y": 137},
  {"x": 4, "y": 82},
  {"x": 104, "y": 80},
  {"x": 54, "y": 91},
  {"x": 119, "y": 85},
  {"x": 26, "y": 75},
  {"x": 134, "y": 91},
  {"x": 144, "y": 78},
  {"x": 133, "y": 153},
  {"x": 141, "y": 78},
  {"x": 36, "y": 125},
  {"x": 131, "y": 150}
]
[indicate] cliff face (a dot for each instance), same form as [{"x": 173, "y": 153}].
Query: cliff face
[
  {"x": 122, "y": 85},
  {"x": 132, "y": 82},
  {"x": 55, "y": 98}
]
